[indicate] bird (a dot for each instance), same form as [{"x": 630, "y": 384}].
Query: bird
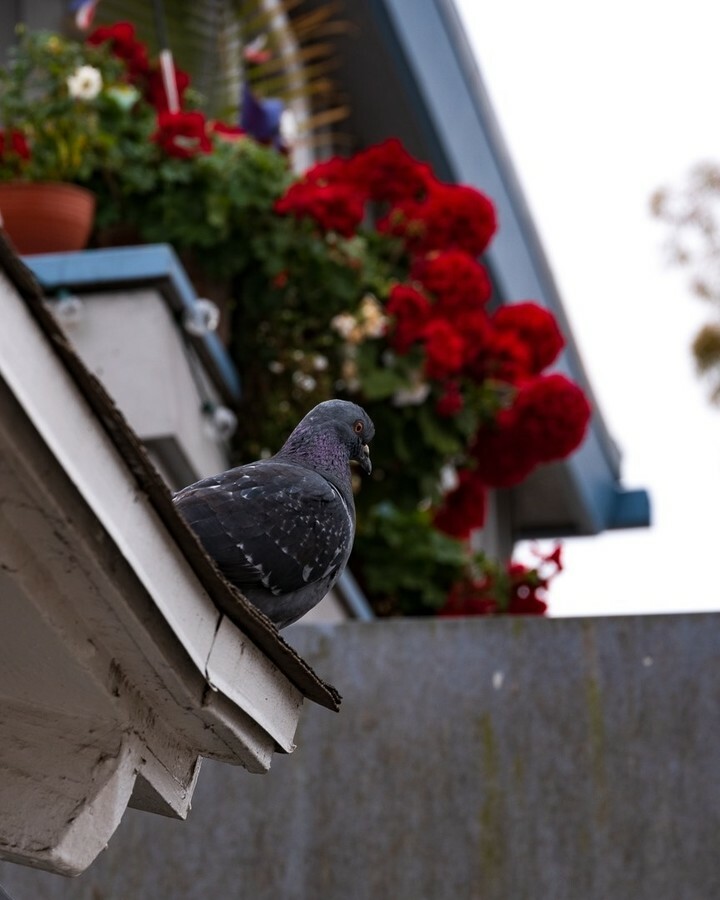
[{"x": 281, "y": 529}]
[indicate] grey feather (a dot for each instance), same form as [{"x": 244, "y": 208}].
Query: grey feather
[{"x": 281, "y": 529}]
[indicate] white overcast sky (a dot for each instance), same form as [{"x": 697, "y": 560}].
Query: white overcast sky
[{"x": 600, "y": 105}]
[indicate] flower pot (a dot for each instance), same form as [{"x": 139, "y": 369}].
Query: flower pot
[{"x": 46, "y": 217}]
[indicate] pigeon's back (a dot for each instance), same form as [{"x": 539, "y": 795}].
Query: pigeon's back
[
  {"x": 279, "y": 531},
  {"x": 282, "y": 529}
]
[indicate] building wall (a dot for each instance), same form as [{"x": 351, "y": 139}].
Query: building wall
[{"x": 503, "y": 759}]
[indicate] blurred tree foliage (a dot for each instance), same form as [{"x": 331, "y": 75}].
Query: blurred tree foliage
[{"x": 692, "y": 212}]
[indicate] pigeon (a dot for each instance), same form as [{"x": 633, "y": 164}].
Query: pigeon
[{"x": 281, "y": 529}]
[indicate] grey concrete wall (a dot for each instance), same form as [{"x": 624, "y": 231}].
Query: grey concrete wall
[{"x": 505, "y": 759}]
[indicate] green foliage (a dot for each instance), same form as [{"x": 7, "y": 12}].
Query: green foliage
[
  {"x": 212, "y": 205},
  {"x": 412, "y": 564},
  {"x": 73, "y": 134}
]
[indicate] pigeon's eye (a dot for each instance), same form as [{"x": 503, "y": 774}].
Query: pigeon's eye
[{"x": 358, "y": 427}]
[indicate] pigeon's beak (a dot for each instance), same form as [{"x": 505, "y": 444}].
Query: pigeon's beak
[{"x": 364, "y": 459}]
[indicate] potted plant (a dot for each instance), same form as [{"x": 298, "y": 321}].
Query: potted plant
[{"x": 60, "y": 104}]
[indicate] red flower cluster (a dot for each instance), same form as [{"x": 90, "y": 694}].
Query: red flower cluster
[
  {"x": 499, "y": 356},
  {"x": 536, "y": 328},
  {"x": 124, "y": 44},
  {"x": 547, "y": 421},
  {"x": 470, "y": 598},
  {"x": 411, "y": 311},
  {"x": 525, "y": 590},
  {"x": 335, "y": 207},
  {"x": 463, "y": 344},
  {"x": 426, "y": 214},
  {"x": 335, "y": 170},
  {"x": 517, "y": 590},
  {"x": 155, "y": 92},
  {"x": 444, "y": 349},
  {"x": 227, "y": 132},
  {"x": 450, "y": 401},
  {"x": 14, "y": 142},
  {"x": 455, "y": 278},
  {"x": 386, "y": 171},
  {"x": 183, "y": 134},
  {"x": 141, "y": 71},
  {"x": 452, "y": 216},
  {"x": 442, "y": 310},
  {"x": 463, "y": 509}
]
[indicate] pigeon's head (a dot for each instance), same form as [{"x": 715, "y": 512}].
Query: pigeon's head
[{"x": 336, "y": 424}]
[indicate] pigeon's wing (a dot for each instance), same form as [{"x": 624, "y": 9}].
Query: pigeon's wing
[{"x": 270, "y": 523}]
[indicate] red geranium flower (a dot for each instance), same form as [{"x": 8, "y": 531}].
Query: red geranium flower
[
  {"x": 155, "y": 92},
  {"x": 525, "y": 588},
  {"x": 457, "y": 280},
  {"x": 463, "y": 509},
  {"x": 335, "y": 170},
  {"x": 386, "y": 171},
  {"x": 444, "y": 349},
  {"x": 552, "y": 415},
  {"x": 554, "y": 558},
  {"x": 537, "y": 329},
  {"x": 411, "y": 311},
  {"x": 14, "y": 142},
  {"x": 227, "y": 132},
  {"x": 451, "y": 401},
  {"x": 335, "y": 207},
  {"x": 182, "y": 134},
  {"x": 547, "y": 421},
  {"x": 470, "y": 598},
  {"x": 124, "y": 44},
  {"x": 453, "y": 216},
  {"x": 502, "y": 458},
  {"x": 501, "y": 356},
  {"x": 476, "y": 330}
]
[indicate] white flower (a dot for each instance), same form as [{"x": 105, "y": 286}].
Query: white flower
[
  {"x": 412, "y": 396},
  {"x": 448, "y": 479},
  {"x": 304, "y": 382},
  {"x": 344, "y": 324},
  {"x": 85, "y": 83},
  {"x": 374, "y": 322}
]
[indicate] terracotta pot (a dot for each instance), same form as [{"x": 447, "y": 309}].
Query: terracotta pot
[{"x": 46, "y": 217}]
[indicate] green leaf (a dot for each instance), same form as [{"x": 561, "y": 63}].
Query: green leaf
[{"x": 379, "y": 384}]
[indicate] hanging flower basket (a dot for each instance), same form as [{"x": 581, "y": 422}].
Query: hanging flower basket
[{"x": 46, "y": 217}]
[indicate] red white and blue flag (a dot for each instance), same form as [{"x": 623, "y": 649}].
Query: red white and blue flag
[{"x": 84, "y": 12}]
